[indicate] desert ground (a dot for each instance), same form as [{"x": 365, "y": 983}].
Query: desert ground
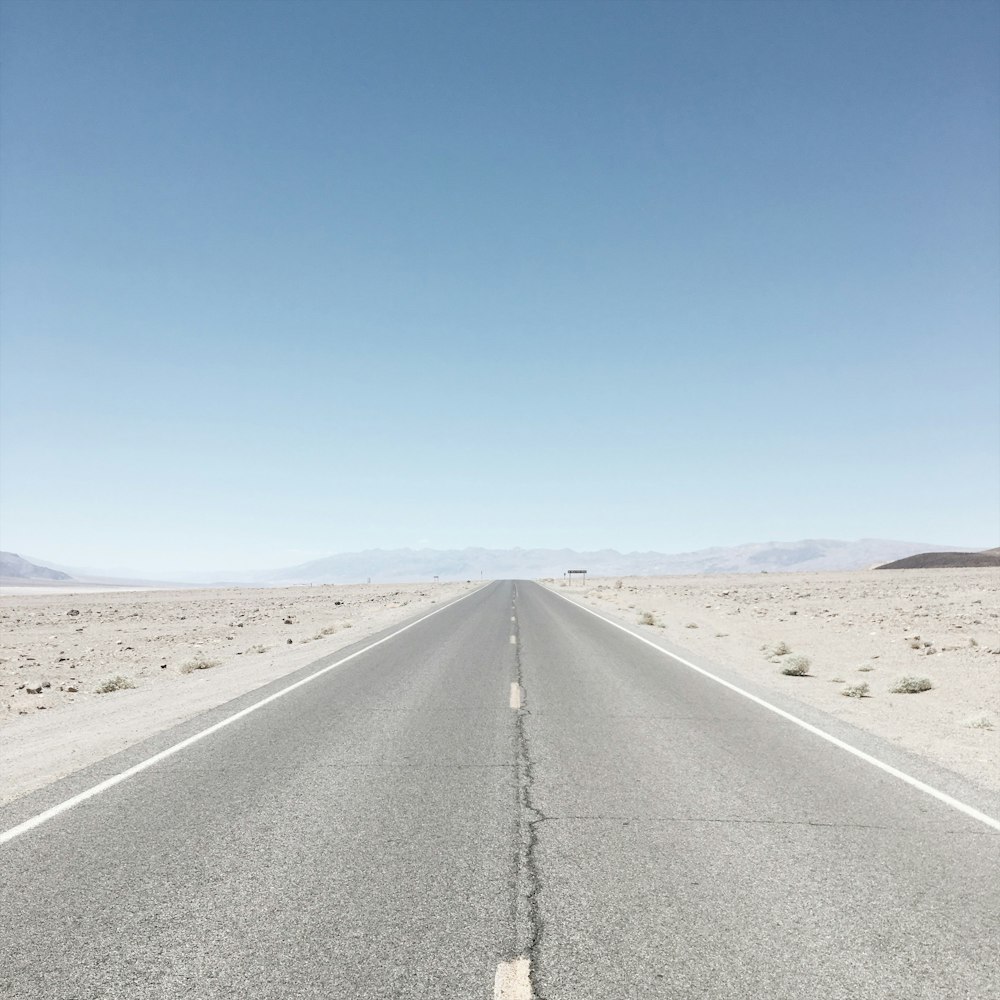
[
  {"x": 854, "y": 628},
  {"x": 178, "y": 653},
  {"x": 164, "y": 655}
]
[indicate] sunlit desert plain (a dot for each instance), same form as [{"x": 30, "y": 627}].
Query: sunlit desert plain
[{"x": 83, "y": 675}]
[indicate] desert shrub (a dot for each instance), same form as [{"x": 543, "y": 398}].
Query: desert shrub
[
  {"x": 856, "y": 690},
  {"x": 865, "y": 669},
  {"x": 781, "y": 649},
  {"x": 796, "y": 666},
  {"x": 198, "y": 663},
  {"x": 646, "y": 618},
  {"x": 979, "y": 722},
  {"x": 911, "y": 685},
  {"x": 115, "y": 684}
]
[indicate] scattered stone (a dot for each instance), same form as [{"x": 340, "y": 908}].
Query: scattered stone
[
  {"x": 289, "y": 641},
  {"x": 73, "y": 612},
  {"x": 36, "y": 689}
]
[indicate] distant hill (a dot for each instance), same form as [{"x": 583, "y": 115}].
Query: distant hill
[
  {"x": 13, "y": 567},
  {"x": 491, "y": 564},
  {"x": 946, "y": 560}
]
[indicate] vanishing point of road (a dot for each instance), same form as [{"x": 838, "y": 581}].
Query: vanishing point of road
[{"x": 507, "y": 798}]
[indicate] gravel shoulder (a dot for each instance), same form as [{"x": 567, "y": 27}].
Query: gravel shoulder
[
  {"x": 853, "y": 628},
  {"x": 168, "y": 655}
]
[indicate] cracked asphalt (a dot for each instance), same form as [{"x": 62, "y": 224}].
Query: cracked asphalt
[{"x": 395, "y": 829}]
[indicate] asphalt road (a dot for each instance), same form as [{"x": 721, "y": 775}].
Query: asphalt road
[{"x": 508, "y": 779}]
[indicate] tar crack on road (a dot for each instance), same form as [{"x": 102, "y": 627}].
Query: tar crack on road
[{"x": 528, "y": 928}]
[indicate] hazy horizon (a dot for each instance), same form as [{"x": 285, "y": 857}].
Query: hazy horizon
[
  {"x": 182, "y": 574},
  {"x": 287, "y": 280}
]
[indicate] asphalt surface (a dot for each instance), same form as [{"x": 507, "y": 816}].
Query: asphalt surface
[{"x": 396, "y": 829}]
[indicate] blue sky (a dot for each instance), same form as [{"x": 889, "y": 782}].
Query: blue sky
[{"x": 286, "y": 279}]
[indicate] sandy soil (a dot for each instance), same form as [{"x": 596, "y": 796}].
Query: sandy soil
[
  {"x": 57, "y": 649},
  {"x": 871, "y": 627}
]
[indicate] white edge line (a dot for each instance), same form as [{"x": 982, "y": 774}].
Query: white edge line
[
  {"x": 815, "y": 730},
  {"x": 62, "y": 807}
]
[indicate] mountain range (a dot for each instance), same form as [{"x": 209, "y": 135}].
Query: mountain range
[
  {"x": 398, "y": 565},
  {"x": 492, "y": 564}
]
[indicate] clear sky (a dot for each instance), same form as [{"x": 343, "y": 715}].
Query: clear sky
[{"x": 287, "y": 279}]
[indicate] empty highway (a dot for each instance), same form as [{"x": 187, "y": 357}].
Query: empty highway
[{"x": 508, "y": 798}]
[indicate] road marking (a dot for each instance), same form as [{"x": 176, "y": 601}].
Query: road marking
[
  {"x": 515, "y": 695},
  {"x": 512, "y": 618},
  {"x": 62, "y": 807},
  {"x": 513, "y": 639},
  {"x": 513, "y": 980},
  {"x": 808, "y": 727}
]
